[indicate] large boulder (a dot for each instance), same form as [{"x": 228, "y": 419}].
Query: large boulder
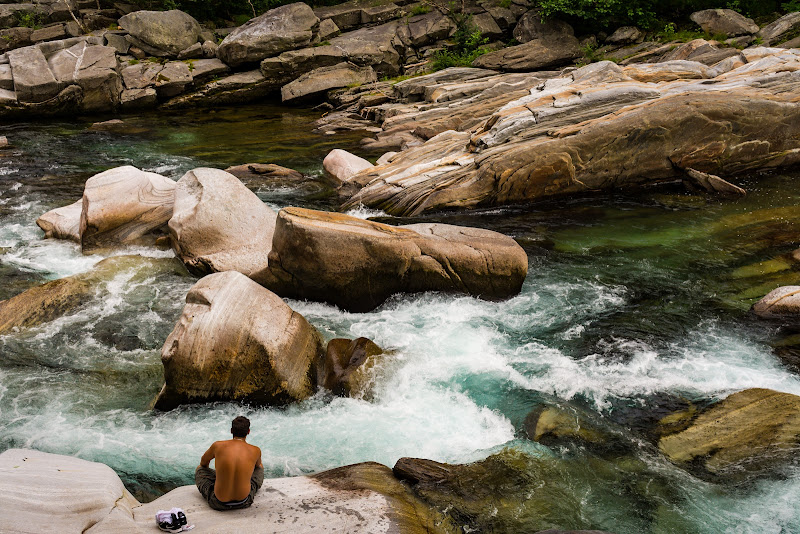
[
  {"x": 725, "y": 21},
  {"x": 94, "y": 69},
  {"x": 345, "y": 369},
  {"x": 531, "y": 26},
  {"x": 783, "y": 302},
  {"x": 280, "y": 29},
  {"x": 324, "y": 79},
  {"x": 238, "y": 341},
  {"x": 124, "y": 205},
  {"x": 33, "y": 80},
  {"x": 748, "y": 432},
  {"x": 41, "y": 492},
  {"x": 63, "y": 223},
  {"x": 164, "y": 33},
  {"x": 534, "y": 55},
  {"x": 773, "y": 32},
  {"x": 343, "y": 165},
  {"x": 220, "y": 225},
  {"x": 357, "y": 264}
]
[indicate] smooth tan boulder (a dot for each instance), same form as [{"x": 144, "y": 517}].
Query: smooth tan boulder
[
  {"x": 123, "y": 205},
  {"x": 220, "y": 225},
  {"x": 781, "y": 302},
  {"x": 61, "y": 297},
  {"x": 345, "y": 368},
  {"x": 343, "y": 165},
  {"x": 357, "y": 264},
  {"x": 749, "y": 431},
  {"x": 41, "y": 492},
  {"x": 237, "y": 341},
  {"x": 63, "y": 223}
]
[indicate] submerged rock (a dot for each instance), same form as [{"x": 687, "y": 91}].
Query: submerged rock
[
  {"x": 749, "y": 432},
  {"x": 237, "y": 341},
  {"x": 220, "y": 225},
  {"x": 264, "y": 171},
  {"x": 124, "y": 205},
  {"x": 61, "y": 297},
  {"x": 357, "y": 264},
  {"x": 42, "y": 492},
  {"x": 552, "y": 425},
  {"x": 63, "y": 223},
  {"x": 345, "y": 368},
  {"x": 783, "y": 302}
]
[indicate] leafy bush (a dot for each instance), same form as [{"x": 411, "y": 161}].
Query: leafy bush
[
  {"x": 468, "y": 43},
  {"x": 791, "y": 7}
]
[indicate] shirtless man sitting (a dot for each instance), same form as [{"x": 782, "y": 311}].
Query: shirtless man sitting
[{"x": 239, "y": 471}]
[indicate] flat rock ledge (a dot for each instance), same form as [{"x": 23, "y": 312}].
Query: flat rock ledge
[{"x": 41, "y": 492}]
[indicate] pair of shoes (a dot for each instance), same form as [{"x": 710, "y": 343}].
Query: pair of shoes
[{"x": 173, "y": 520}]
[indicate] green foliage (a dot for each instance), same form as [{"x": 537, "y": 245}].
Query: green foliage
[
  {"x": 468, "y": 43},
  {"x": 668, "y": 33},
  {"x": 31, "y": 20},
  {"x": 133, "y": 62},
  {"x": 419, "y": 9},
  {"x": 323, "y": 43},
  {"x": 505, "y": 3}
]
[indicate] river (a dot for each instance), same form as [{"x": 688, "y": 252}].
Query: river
[{"x": 635, "y": 303}]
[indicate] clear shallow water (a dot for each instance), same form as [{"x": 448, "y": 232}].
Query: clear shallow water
[{"x": 630, "y": 303}]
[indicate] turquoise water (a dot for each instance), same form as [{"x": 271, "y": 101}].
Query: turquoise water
[{"x": 633, "y": 304}]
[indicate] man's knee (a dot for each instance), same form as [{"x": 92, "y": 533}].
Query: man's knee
[
  {"x": 257, "y": 479},
  {"x": 204, "y": 479}
]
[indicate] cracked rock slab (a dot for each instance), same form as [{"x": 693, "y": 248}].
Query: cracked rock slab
[{"x": 357, "y": 264}]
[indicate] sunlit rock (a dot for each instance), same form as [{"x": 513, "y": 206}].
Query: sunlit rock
[
  {"x": 749, "y": 432},
  {"x": 124, "y": 205},
  {"x": 342, "y": 165},
  {"x": 781, "y": 302},
  {"x": 357, "y": 264},
  {"x": 63, "y": 223},
  {"x": 220, "y": 225},
  {"x": 238, "y": 341},
  {"x": 161, "y": 33}
]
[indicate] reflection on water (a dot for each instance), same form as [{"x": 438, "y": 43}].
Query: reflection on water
[{"x": 633, "y": 304}]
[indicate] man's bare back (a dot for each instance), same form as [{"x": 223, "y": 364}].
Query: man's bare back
[
  {"x": 238, "y": 474},
  {"x": 234, "y": 461}
]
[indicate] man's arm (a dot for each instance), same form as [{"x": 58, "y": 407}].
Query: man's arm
[
  {"x": 258, "y": 461},
  {"x": 208, "y": 455}
]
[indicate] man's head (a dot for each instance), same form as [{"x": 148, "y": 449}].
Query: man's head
[{"x": 240, "y": 427}]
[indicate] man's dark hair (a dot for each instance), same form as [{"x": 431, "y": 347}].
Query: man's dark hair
[{"x": 240, "y": 427}]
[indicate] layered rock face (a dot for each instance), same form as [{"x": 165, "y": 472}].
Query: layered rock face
[
  {"x": 237, "y": 341},
  {"x": 598, "y": 127},
  {"x": 749, "y": 431},
  {"x": 357, "y": 264},
  {"x": 123, "y": 205},
  {"x": 220, "y": 225}
]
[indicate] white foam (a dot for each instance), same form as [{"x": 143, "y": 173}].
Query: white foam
[{"x": 363, "y": 212}]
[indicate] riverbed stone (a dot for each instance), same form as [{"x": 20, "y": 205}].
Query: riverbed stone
[
  {"x": 250, "y": 172},
  {"x": 220, "y": 225},
  {"x": 773, "y": 32},
  {"x": 326, "y": 78},
  {"x": 531, "y": 27},
  {"x": 752, "y": 431},
  {"x": 124, "y": 205},
  {"x": 783, "y": 302},
  {"x": 345, "y": 368},
  {"x": 238, "y": 341},
  {"x": 138, "y": 98},
  {"x": 357, "y": 264},
  {"x": 33, "y": 80},
  {"x": 725, "y": 21},
  {"x": 533, "y": 55},
  {"x": 280, "y": 29},
  {"x": 342, "y": 165},
  {"x": 94, "y": 69},
  {"x": 63, "y": 223},
  {"x": 169, "y": 32},
  {"x": 41, "y": 492}
]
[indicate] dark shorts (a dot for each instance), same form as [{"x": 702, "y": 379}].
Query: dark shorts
[{"x": 204, "y": 478}]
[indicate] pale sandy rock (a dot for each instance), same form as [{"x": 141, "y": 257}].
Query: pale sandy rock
[
  {"x": 357, "y": 264},
  {"x": 280, "y": 29},
  {"x": 781, "y": 302},
  {"x": 123, "y": 205},
  {"x": 342, "y": 165},
  {"x": 41, "y": 492},
  {"x": 238, "y": 341},
  {"x": 33, "y": 81},
  {"x": 327, "y": 78},
  {"x": 94, "y": 70},
  {"x": 750, "y": 431},
  {"x": 63, "y": 223},
  {"x": 220, "y": 225},
  {"x": 669, "y": 71},
  {"x": 384, "y": 159}
]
